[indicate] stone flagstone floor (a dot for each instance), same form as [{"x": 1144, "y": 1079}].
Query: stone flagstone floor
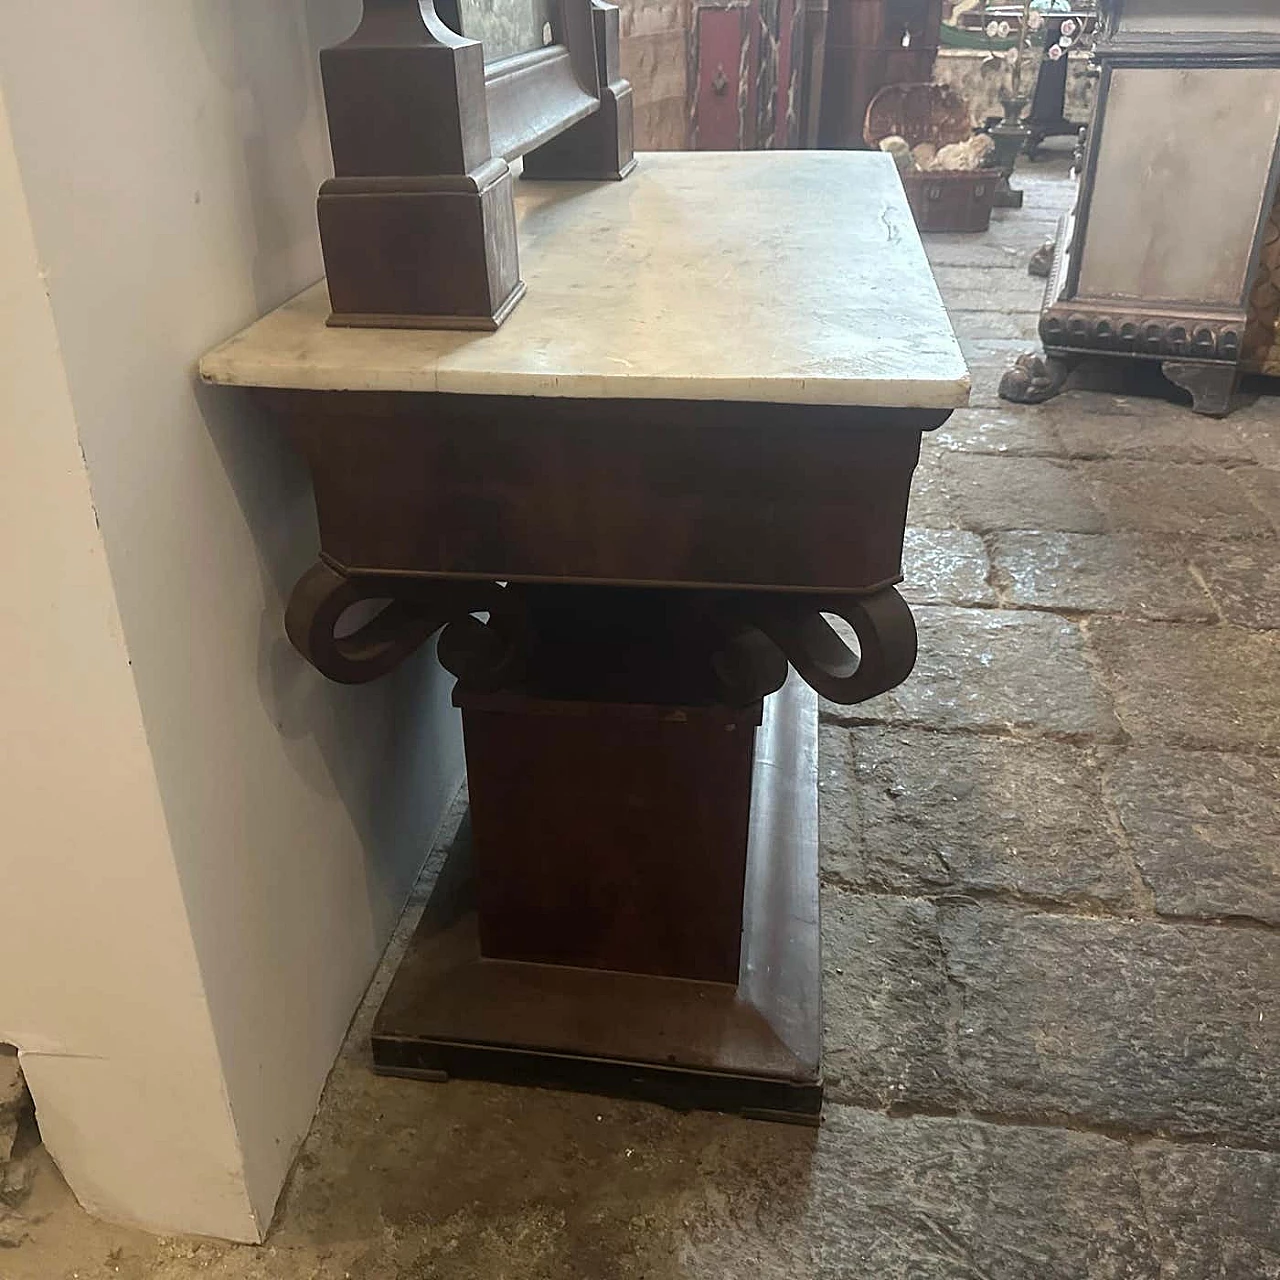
[{"x": 1051, "y": 918}]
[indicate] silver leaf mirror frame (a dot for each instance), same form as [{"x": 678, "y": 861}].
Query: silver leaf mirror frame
[{"x": 506, "y": 28}]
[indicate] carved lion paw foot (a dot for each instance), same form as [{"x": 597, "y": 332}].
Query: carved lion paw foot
[
  {"x": 1042, "y": 260},
  {"x": 1033, "y": 379}
]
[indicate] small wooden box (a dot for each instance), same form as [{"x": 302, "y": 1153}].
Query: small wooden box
[{"x": 951, "y": 201}]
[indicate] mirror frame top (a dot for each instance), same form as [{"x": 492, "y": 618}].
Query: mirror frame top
[
  {"x": 534, "y": 96},
  {"x": 453, "y": 11},
  {"x": 405, "y": 91}
]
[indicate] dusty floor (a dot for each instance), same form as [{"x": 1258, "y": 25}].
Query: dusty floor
[{"x": 1051, "y": 919}]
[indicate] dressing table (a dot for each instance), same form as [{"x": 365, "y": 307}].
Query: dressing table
[{"x": 631, "y": 513}]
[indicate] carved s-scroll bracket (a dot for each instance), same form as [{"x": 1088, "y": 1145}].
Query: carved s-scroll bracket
[
  {"x": 746, "y": 663},
  {"x": 488, "y": 634},
  {"x": 882, "y": 622},
  {"x": 487, "y": 655},
  {"x": 415, "y": 610}
]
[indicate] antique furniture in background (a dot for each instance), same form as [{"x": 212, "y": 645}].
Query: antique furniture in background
[
  {"x": 958, "y": 200},
  {"x": 1158, "y": 258},
  {"x": 870, "y": 44},
  {"x": 628, "y": 512},
  {"x": 1047, "y": 116},
  {"x": 418, "y": 223},
  {"x": 1019, "y": 37}
]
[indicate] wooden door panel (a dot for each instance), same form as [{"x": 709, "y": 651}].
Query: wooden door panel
[{"x": 722, "y": 77}]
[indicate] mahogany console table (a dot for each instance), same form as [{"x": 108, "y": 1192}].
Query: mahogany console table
[{"x": 629, "y": 512}]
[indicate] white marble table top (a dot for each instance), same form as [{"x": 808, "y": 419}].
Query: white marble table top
[{"x": 790, "y": 277}]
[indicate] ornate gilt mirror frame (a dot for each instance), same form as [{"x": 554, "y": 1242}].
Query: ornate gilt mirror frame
[{"x": 418, "y": 223}]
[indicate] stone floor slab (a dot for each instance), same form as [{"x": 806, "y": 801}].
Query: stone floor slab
[
  {"x": 1143, "y": 575},
  {"x": 958, "y": 249},
  {"x": 1193, "y": 686},
  {"x": 975, "y": 277},
  {"x": 951, "y": 1199},
  {"x": 1149, "y": 1027},
  {"x": 945, "y": 566},
  {"x": 1017, "y": 234},
  {"x": 478, "y": 1182},
  {"x": 885, "y": 1001},
  {"x": 1243, "y": 578},
  {"x": 1021, "y": 325},
  {"x": 1019, "y": 493},
  {"x": 1263, "y": 485},
  {"x": 931, "y": 505},
  {"x": 1157, "y": 435},
  {"x": 1156, "y": 497},
  {"x": 1212, "y": 1212},
  {"x": 1204, "y": 828},
  {"x": 1257, "y": 423},
  {"x": 999, "y": 431},
  {"x": 975, "y": 289},
  {"x": 648, "y": 1195},
  {"x": 1080, "y": 401},
  {"x": 915, "y": 812},
  {"x": 990, "y": 669}
]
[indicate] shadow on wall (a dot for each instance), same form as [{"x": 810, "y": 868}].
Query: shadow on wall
[
  {"x": 371, "y": 742},
  {"x": 247, "y": 60},
  {"x": 169, "y": 156}
]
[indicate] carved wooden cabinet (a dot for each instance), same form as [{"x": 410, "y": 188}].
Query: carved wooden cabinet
[
  {"x": 1158, "y": 259},
  {"x": 869, "y": 44}
]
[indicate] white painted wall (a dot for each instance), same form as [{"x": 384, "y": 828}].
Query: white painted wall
[
  {"x": 98, "y": 976},
  {"x": 169, "y": 155}
]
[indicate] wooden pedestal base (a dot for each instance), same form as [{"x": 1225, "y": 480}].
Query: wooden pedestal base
[{"x": 753, "y": 1048}]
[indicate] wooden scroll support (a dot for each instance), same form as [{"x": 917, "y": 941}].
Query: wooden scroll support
[
  {"x": 485, "y": 654},
  {"x": 418, "y": 225},
  {"x": 882, "y": 622},
  {"x": 698, "y": 647}
]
